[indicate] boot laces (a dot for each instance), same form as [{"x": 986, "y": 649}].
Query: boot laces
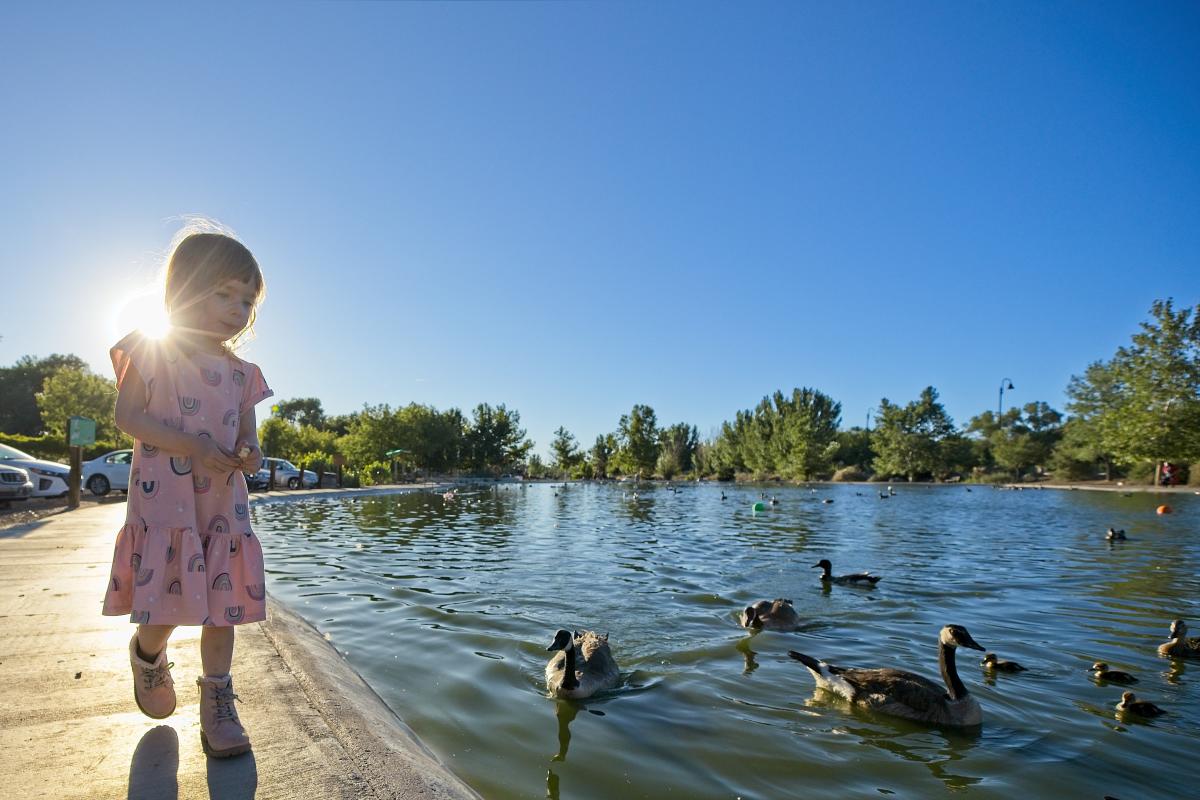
[
  {"x": 223, "y": 698},
  {"x": 158, "y": 676}
]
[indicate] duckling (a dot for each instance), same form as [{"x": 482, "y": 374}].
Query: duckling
[
  {"x": 1115, "y": 535},
  {"x": 583, "y": 666},
  {"x": 777, "y": 615},
  {"x": 1101, "y": 672},
  {"x": 1143, "y": 708},
  {"x": 1179, "y": 646},
  {"x": 859, "y": 578},
  {"x": 905, "y": 694},
  {"x": 990, "y": 662}
]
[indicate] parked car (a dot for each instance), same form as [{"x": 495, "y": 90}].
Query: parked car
[
  {"x": 257, "y": 481},
  {"x": 49, "y": 477},
  {"x": 107, "y": 472},
  {"x": 14, "y": 484},
  {"x": 287, "y": 474}
]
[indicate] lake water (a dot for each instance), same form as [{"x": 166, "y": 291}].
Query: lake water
[{"x": 446, "y": 609}]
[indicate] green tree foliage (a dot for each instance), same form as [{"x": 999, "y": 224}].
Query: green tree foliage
[
  {"x": 854, "y": 449},
  {"x": 677, "y": 449},
  {"x": 1143, "y": 405},
  {"x": 494, "y": 440},
  {"x": 908, "y": 439},
  {"x": 566, "y": 452},
  {"x": 1022, "y": 439},
  {"x": 432, "y": 440},
  {"x": 791, "y": 437},
  {"x": 300, "y": 411},
  {"x": 601, "y": 454},
  {"x": 19, "y": 385},
  {"x": 637, "y": 442},
  {"x": 71, "y": 391}
]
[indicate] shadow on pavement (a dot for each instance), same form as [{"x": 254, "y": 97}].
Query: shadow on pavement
[{"x": 154, "y": 770}]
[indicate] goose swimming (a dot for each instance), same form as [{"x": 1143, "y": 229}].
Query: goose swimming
[
  {"x": 1179, "y": 646},
  {"x": 582, "y": 666},
  {"x": 906, "y": 694},
  {"x": 1115, "y": 535},
  {"x": 776, "y": 615},
  {"x": 1143, "y": 708},
  {"x": 858, "y": 578},
  {"x": 990, "y": 662},
  {"x": 1101, "y": 672}
]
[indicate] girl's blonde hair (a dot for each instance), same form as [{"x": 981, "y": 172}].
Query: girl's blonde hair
[{"x": 203, "y": 260}]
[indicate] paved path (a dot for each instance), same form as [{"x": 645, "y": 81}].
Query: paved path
[{"x": 69, "y": 727}]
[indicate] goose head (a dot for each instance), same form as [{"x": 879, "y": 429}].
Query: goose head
[
  {"x": 563, "y": 640},
  {"x": 957, "y": 636},
  {"x": 750, "y": 618},
  {"x": 1178, "y": 629},
  {"x": 824, "y": 564}
]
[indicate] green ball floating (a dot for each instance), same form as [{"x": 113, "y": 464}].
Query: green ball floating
[{"x": 760, "y": 506}]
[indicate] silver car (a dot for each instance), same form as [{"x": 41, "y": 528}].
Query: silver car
[{"x": 14, "y": 484}]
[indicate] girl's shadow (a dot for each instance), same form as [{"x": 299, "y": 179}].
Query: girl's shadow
[{"x": 154, "y": 770}]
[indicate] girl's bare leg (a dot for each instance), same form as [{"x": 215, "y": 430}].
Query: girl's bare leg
[
  {"x": 151, "y": 639},
  {"x": 216, "y": 650}
]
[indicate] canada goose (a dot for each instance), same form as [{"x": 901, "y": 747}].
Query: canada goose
[
  {"x": 1115, "y": 535},
  {"x": 905, "y": 694},
  {"x": 777, "y": 615},
  {"x": 990, "y": 662},
  {"x": 722, "y": 495},
  {"x": 1179, "y": 645},
  {"x": 859, "y": 578},
  {"x": 1143, "y": 708},
  {"x": 1101, "y": 672},
  {"x": 583, "y": 666}
]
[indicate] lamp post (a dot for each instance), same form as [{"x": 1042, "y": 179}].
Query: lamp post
[{"x": 1000, "y": 405}]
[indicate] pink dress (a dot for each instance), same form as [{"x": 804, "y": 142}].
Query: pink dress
[{"x": 186, "y": 554}]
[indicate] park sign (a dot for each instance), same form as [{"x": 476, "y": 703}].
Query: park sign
[{"x": 81, "y": 431}]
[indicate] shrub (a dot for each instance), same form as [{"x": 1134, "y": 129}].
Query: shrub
[
  {"x": 54, "y": 448},
  {"x": 849, "y": 474},
  {"x": 375, "y": 473}
]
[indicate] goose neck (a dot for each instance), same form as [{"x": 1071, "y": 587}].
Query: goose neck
[
  {"x": 954, "y": 685},
  {"x": 569, "y": 679}
]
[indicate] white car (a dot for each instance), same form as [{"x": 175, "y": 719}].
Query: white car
[
  {"x": 14, "y": 484},
  {"x": 287, "y": 474},
  {"x": 49, "y": 477},
  {"x": 109, "y": 471}
]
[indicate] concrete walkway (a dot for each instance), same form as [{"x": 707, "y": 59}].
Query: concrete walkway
[{"x": 69, "y": 727}]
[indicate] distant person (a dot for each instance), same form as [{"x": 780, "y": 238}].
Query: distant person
[
  {"x": 1168, "y": 474},
  {"x": 187, "y": 554}
]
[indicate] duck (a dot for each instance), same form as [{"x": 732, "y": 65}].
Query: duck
[
  {"x": 884, "y": 495},
  {"x": 775, "y": 615},
  {"x": 1115, "y": 535},
  {"x": 905, "y": 694},
  {"x": 827, "y": 501},
  {"x": 582, "y": 666},
  {"x": 858, "y": 578},
  {"x": 722, "y": 495},
  {"x": 1143, "y": 708},
  {"x": 990, "y": 662},
  {"x": 1101, "y": 672},
  {"x": 1179, "y": 646},
  {"x": 774, "y": 500}
]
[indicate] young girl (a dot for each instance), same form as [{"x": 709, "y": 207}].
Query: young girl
[{"x": 187, "y": 555}]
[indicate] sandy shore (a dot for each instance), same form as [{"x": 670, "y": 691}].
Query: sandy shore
[{"x": 69, "y": 727}]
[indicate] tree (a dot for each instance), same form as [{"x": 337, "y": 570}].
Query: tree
[
  {"x": 1144, "y": 404},
  {"x": 908, "y": 438},
  {"x": 602, "y": 453},
  {"x": 566, "y": 453},
  {"x": 854, "y": 449},
  {"x": 19, "y": 385},
  {"x": 301, "y": 411},
  {"x": 677, "y": 449},
  {"x": 76, "y": 391},
  {"x": 637, "y": 436},
  {"x": 494, "y": 440}
]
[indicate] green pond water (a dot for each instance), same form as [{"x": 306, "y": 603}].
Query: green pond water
[{"x": 446, "y": 609}]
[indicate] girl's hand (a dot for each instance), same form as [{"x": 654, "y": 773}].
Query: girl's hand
[
  {"x": 249, "y": 456},
  {"x": 213, "y": 457}
]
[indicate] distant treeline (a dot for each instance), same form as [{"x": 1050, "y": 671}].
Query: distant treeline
[{"x": 1140, "y": 407}]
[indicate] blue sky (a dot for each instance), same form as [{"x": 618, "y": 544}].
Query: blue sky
[{"x": 572, "y": 208}]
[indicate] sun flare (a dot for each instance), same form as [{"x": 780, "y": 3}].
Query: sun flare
[{"x": 142, "y": 311}]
